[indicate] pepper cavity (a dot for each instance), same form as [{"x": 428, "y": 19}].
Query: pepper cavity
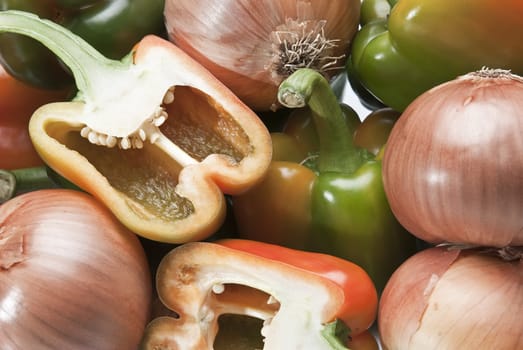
[{"x": 200, "y": 282}]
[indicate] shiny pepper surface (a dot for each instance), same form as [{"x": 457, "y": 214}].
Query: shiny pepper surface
[
  {"x": 324, "y": 191},
  {"x": 398, "y": 55}
]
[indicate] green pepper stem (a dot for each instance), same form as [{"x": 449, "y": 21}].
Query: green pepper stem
[
  {"x": 13, "y": 182},
  {"x": 307, "y": 87},
  {"x": 90, "y": 68},
  {"x": 7, "y": 185}
]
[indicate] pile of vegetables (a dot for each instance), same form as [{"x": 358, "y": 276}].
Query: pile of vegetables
[{"x": 195, "y": 179}]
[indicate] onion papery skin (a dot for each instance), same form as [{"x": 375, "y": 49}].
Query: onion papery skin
[
  {"x": 71, "y": 276},
  {"x": 237, "y": 40},
  {"x": 453, "y": 164},
  {"x": 453, "y": 300}
]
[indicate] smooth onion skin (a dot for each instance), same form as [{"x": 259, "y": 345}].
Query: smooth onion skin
[
  {"x": 234, "y": 38},
  {"x": 453, "y": 165},
  {"x": 71, "y": 276},
  {"x": 452, "y": 300}
]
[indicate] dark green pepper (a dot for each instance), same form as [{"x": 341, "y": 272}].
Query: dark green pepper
[
  {"x": 323, "y": 191},
  {"x": 371, "y": 10},
  {"x": 420, "y": 44},
  {"x": 112, "y": 27},
  {"x": 375, "y": 9}
]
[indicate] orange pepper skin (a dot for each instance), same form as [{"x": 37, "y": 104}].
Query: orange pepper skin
[{"x": 358, "y": 309}]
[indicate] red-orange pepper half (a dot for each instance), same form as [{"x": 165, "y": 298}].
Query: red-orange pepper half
[
  {"x": 303, "y": 298},
  {"x": 154, "y": 136}
]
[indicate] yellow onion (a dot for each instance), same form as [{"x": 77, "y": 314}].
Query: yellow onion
[
  {"x": 454, "y": 299},
  {"x": 71, "y": 276},
  {"x": 453, "y": 165},
  {"x": 252, "y": 45}
]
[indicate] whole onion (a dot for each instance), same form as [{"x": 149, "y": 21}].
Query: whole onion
[
  {"x": 252, "y": 45},
  {"x": 454, "y": 299},
  {"x": 453, "y": 165},
  {"x": 71, "y": 276}
]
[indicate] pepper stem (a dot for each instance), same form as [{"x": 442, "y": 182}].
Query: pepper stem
[
  {"x": 13, "y": 182},
  {"x": 90, "y": 68},
  {"x": 307, "y": 87},
  {"x": 120, "y": 100}
]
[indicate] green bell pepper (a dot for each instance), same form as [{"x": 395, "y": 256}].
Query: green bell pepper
[
  {"x": 375, "y": 9},
  {"x": 421, "y": 44},
  {"x": 323, "y": 191},
  {"x": 112, "y": 27}
]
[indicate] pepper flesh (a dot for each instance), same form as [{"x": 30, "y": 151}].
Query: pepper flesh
[
  {"x": 110, "y": 26},
  {"x": 421, "y": 44},
  {"x": 296, "y": 293},
  {"x": 329, "y": 197},
  {"x": 165, "y": 139}
]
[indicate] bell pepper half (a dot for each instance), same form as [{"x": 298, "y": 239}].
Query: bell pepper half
[
  {"x": 398, "y": 55},
  {"x": 154, "y": 136},
  {"x": 323, "y": 190},
  {"x": 303, "y": 298},
  {"x": 110, "y": 26}
]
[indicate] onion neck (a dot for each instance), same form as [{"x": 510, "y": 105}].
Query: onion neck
[
  {"x": 302, "y": 43},
  {"x": 492, "y": 73},
  {"x": 507, "y": 253},
  {"x": 307, "y": 87}
]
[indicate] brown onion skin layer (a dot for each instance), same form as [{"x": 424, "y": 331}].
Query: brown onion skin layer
[
  {"x": 236, "y": 40},
  {"x": 71, "y": 276},
  {"x": 453, "y": 165},
  {"x": 453, "y": 300}
]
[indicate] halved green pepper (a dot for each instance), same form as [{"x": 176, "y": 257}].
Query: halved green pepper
[
  {"x": 421, "y": 44},
  {"x": 324, "y": 190},
  {"x": 112, "y": 27}
]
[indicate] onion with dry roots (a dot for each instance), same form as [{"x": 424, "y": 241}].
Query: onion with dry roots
[
  {"x": 454, "y": 299},
  {"x": 71, "y": 276},
  {"x": 453, "y": 165},
  {"x": 253, "y": 45}
]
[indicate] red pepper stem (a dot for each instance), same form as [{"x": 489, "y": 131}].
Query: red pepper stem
[
  {"x": 337, "y": 151},
  {"x": 90, "y": 68},
  {"x": 14, "y": 182}
]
